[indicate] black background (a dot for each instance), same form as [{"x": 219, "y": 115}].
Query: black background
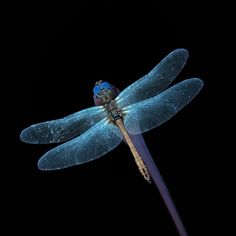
[{"x": 59, "y": 53}]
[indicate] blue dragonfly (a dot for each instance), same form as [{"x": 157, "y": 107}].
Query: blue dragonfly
[{"x": 142, "y": 106}]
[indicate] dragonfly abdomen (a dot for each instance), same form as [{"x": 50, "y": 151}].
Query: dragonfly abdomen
[{"x": 138, "y": 160}]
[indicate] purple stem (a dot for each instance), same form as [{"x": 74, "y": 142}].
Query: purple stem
[{"x": 140, "y": 144}]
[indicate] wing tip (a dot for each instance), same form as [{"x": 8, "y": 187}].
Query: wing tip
[
  {"x": 25, "y": 136},
  {"x": 198, "y": 82},
  {"x": 183, "y": 51},
  {"x": 194, "y": 83},
  {"x": 41, "y": 166}
]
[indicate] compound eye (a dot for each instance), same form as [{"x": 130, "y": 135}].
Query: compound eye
[{"x": 98, "y": 82}]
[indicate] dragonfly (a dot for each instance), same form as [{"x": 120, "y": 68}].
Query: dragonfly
[{"x": 142, "y": 106}]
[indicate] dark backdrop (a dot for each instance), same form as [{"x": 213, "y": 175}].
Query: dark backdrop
[{"x": 60, "y": 53}]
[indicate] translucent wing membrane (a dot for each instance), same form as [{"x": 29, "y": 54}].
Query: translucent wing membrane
[
  {"x": 155, "y": 81},
  {"x": 94, "y": 143},
  {"x": 152, "y": 112},
  {"x": 61, "y": 130}
]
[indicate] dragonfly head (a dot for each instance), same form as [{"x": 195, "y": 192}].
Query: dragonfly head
[
  {"x": 104, "y": 92},
  {"x": 101, "y": 87},
  {"x": 99, "y": 82}
]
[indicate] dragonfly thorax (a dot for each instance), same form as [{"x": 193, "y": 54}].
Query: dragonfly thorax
[{"x": 113, "y": 111}]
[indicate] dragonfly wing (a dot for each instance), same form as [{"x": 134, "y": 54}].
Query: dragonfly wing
[
  {"x": 61, "y": 130},
  {"x": 152, "y": 112},
  {"x": 92, "y": 144},
  {"x": 156, "y": 80}
]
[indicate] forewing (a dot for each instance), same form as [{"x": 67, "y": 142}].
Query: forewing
[
  {"x": 64, "y": 129},
  {"x": 155, "y": 81}
]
